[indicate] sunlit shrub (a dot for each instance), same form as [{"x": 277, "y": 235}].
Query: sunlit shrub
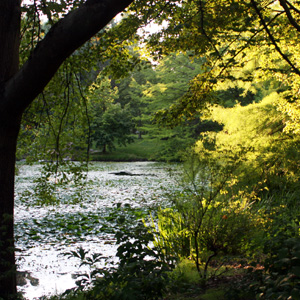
[{"x": 205, "y": 221}]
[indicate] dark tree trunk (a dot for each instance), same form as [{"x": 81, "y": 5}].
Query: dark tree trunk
[
  {"x": 8, "y": 136},
  {"x": 18, "y": 88},
  {"x": 10, "y": 15},
  {"x": 104, "y": 149},
  {"x": 9, "y": 127}
]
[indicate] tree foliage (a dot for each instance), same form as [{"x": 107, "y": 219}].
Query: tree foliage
[
  {"x": 110, "y": 123},
  {"x": 248, "y": 52}
]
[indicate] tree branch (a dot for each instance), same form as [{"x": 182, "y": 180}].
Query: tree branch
[
  {"x": 293, "y": 7},
  {"x": 271, "y": 37},
  {"x": 204, "y": 32},
  {"x": 293, "y": 22},
  {"x": 62, "y": 40}
]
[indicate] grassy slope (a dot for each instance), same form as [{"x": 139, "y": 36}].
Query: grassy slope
[{"x": 140, "y": 150}]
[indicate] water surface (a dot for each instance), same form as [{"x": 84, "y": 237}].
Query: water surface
[{"x": 44, "y": 233}]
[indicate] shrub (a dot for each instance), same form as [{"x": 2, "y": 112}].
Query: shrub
[
  {"x": 205, "y": 220},
  {"x": 142, "y": 270},
  {"x": 280, "y": 278}
]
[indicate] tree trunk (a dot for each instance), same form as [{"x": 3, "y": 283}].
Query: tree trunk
[
  {"x": 9, "y": 128},
  {"x": 10, "y": 15},
  {"x": 104, "y": 149}
]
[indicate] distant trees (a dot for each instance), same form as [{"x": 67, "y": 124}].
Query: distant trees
[{"x": 110, "y": 122}]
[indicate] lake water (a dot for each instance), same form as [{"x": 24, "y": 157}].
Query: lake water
[{"x": 44, "y": 233}]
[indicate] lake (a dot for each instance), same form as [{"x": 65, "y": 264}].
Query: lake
[{"x": 82, "y": 218}]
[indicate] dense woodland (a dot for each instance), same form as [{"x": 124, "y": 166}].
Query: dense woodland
[{"x": 215, "y": 87}]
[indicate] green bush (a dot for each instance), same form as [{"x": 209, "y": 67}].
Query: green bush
[
  {"x": 142, "y": 270},
  {"x": 280, "y": 278},
  {"x": 205, "y": 220}
]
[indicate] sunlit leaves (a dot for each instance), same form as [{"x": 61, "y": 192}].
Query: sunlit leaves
[
  {"x": 269, "y": 152},
  {"x": 252, "y": 126}
]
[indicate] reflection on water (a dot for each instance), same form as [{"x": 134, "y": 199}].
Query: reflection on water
[{"x": 44, "y": 233}]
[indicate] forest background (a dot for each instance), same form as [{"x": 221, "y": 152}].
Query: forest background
[{"x": 215, "y": 87}]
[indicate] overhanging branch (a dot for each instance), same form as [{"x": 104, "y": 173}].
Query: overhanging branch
[
  {"x": 271, "y": 37},
  {"x": 293, "y": 22},
  {"x": 62, "y": 40}
]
